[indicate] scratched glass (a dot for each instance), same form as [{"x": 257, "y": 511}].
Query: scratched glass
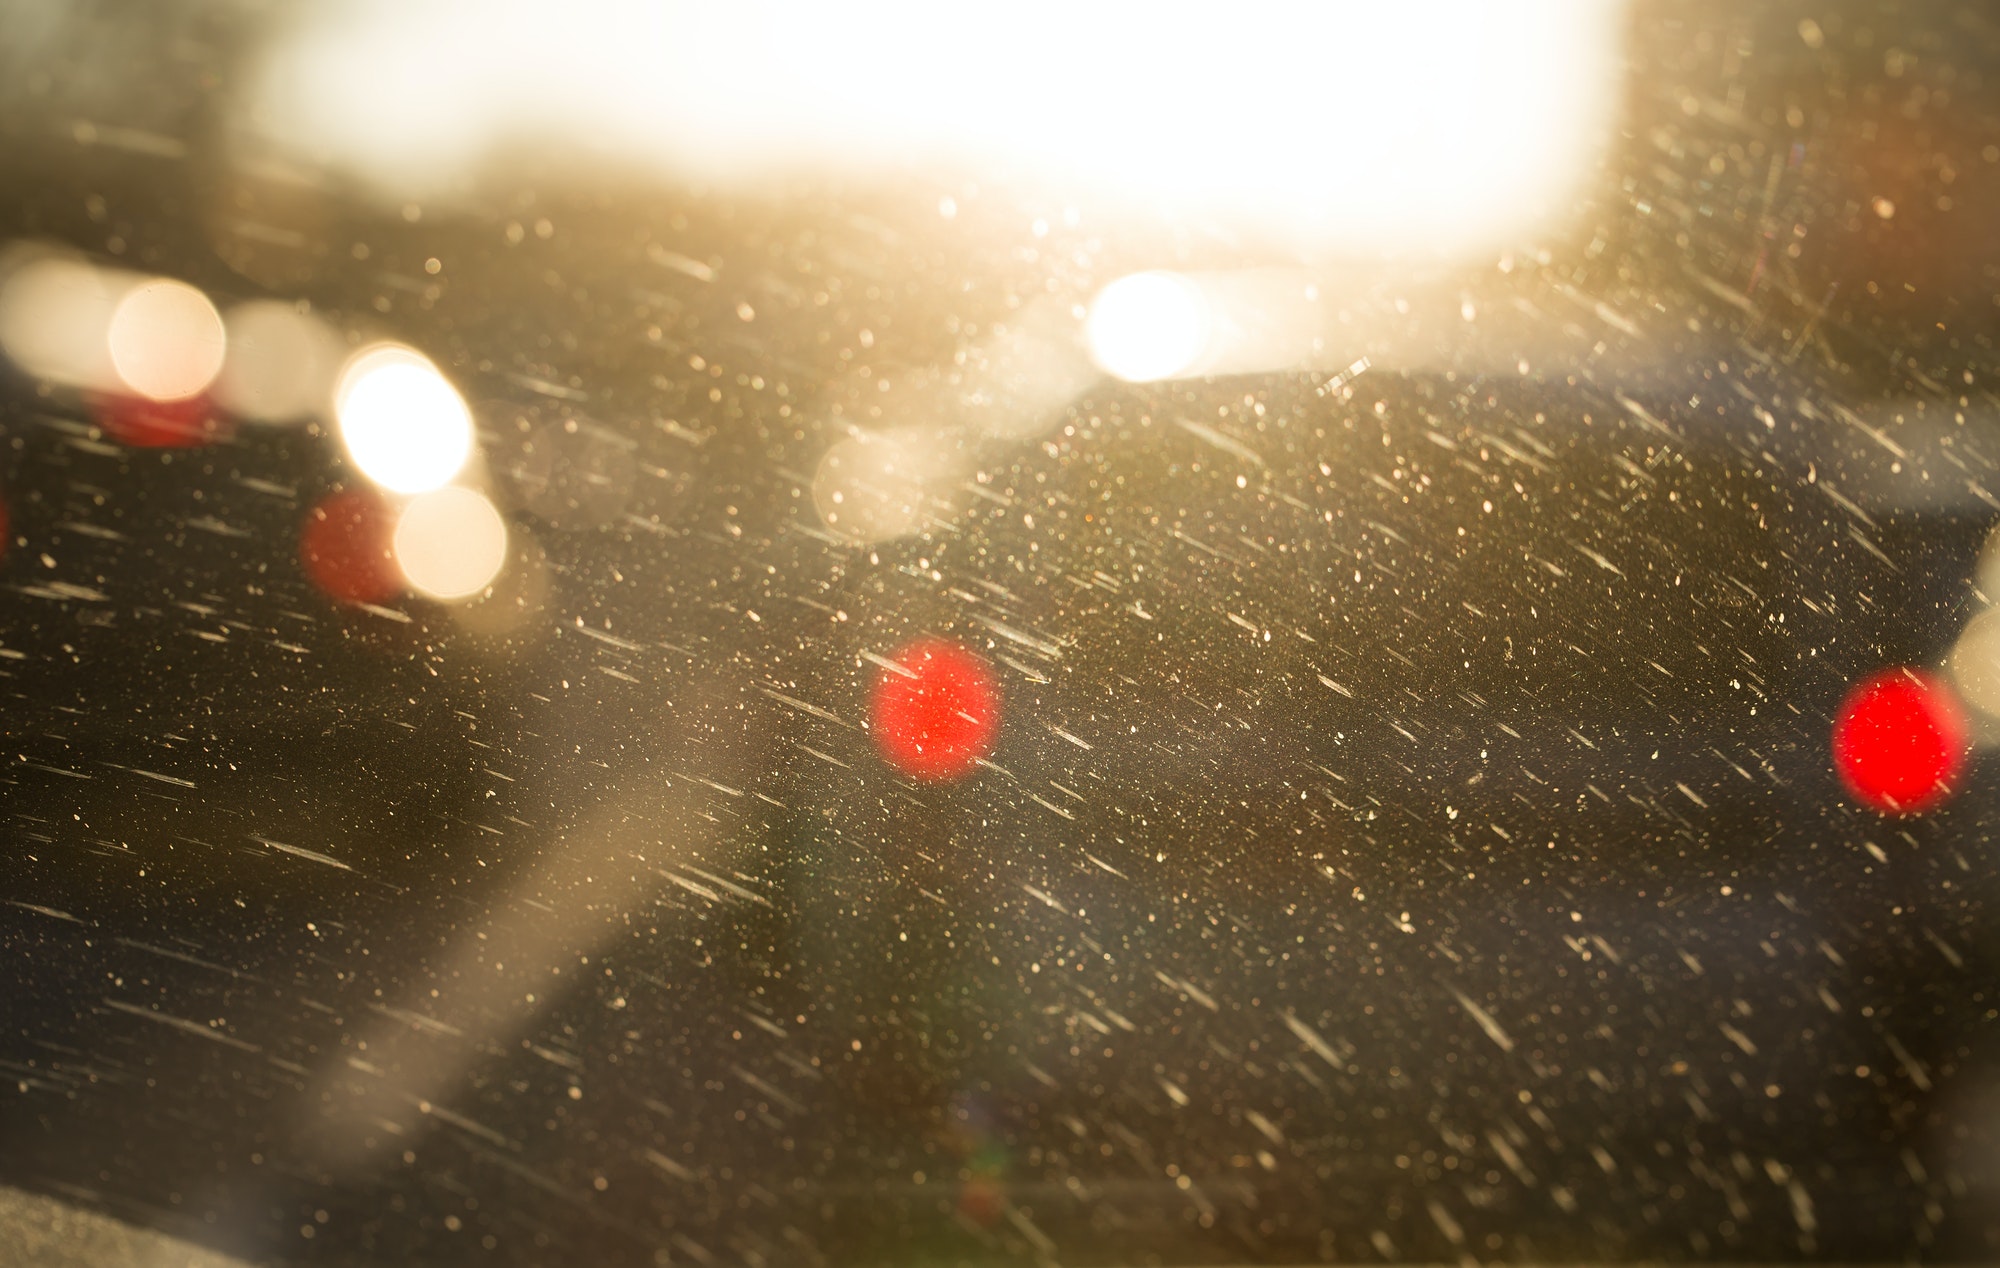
[{"x": 701, "y": 634}]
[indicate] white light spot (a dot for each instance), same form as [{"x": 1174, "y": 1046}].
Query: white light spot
[
  {"x": 166, "y": 340},
  {"x": 404, "y": 425},
  {"x": 54, "y": 314},
  {"x": 280, "y": 365},
  {"x": 450, "y": 543},
  {"x": 1975, "y": 663},
  {"x": 1148, "y": 326}
]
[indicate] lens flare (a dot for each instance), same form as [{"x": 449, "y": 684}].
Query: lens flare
[
  {"x": 936, "y": 711},
  {"x": 404, "y": 424},
  {"x": 166, "y": 340},
  {"x": 1900, "y": 741},
  {"x": 450, "y": 543},
  {"x": 1148, "y": 326}
]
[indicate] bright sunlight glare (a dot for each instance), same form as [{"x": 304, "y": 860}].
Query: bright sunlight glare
[
  {"x": 1430, "y": 126},
  {"x": 1148, "y": 326}
]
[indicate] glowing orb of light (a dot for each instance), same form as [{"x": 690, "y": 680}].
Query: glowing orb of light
[
  {"x": 404, "y": 424},
  {"x": 936, "y": 714},
  {"x": 280, "y": 365},
  {"x": 450, "y": 543},
  {"x": 1900, "y": 741},
  {"x": 344, "y": 547},
  {"x": 1975, "y": 663},
  {"x": 54, "y": 312},
  {"x": 166, "y": 340},
  {"x": 1148, "y": 326}
]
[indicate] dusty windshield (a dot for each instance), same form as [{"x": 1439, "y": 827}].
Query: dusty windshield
[{"x": 708, "y": 635}]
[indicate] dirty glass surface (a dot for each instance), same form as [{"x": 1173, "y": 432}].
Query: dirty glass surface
[{"x": 881, "y": 790}]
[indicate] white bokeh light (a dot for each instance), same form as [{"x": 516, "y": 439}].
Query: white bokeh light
[
  {"x": 1148, "y": 326},
  {"x": 1975, "y": 663},
  {"x": 404, "y": 424},
  {"x": 450, "y": 543},
  {"x": 166, "y": 340},
  {"x": 54, "y": 315},
  {"x": 280, "y": 362}
]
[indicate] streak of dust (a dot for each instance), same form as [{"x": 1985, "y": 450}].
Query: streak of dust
[{"x": 569, "y": 905}]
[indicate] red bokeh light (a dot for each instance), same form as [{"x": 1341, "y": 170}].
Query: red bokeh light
[
  {"x": 144, "y": 424},
  {"x": 1900, "y": 741},
  {"x": 940, "y": 719},
  {"x": 344, "y": 546}
]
